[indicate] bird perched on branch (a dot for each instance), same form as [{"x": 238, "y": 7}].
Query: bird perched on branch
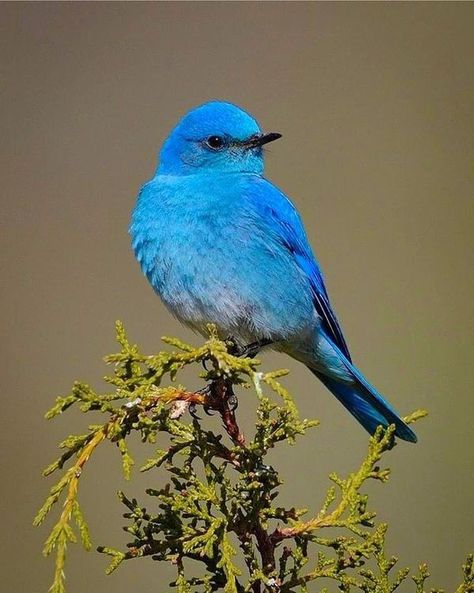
[{"x": 221, "y": 244}]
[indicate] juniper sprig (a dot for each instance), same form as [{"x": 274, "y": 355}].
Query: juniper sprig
[{"x": 219, "y": 504}]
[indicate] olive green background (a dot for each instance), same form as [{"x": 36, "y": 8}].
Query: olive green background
[{"x": 375, "y": 103}]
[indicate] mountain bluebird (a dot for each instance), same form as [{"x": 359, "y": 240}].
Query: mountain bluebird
[{"x": 220, "y": 244}]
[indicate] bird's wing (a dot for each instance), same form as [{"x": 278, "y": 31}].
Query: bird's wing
[{"x": 281, "y": 213}]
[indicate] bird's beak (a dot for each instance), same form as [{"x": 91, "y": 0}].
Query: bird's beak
[{"x": 261, "y": 139}]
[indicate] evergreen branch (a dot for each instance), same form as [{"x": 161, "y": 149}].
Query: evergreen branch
[
  {"x": 467, "y": 585},
  {"x": 350, "y": 499},
  {"x": 218, "y": 504},
  {"x": 62, "y": 532}
]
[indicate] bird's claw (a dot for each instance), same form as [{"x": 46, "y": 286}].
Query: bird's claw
[
  {"x": 249, "y": 351},
  {"x": 192, "y": 411},
  {"x": 205, "y": 391},
  {"x": 232, "y": 345}
]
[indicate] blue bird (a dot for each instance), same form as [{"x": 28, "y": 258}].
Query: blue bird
[{"x": 221, "y": 244}]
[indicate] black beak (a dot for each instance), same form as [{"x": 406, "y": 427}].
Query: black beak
[{"x": 261, "y": 139}]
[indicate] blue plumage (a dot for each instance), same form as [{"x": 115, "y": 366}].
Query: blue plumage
[{"x": 220, "y": 244}]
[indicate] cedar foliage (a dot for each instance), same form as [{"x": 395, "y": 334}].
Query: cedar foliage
[{"x": 220, "y": 504}]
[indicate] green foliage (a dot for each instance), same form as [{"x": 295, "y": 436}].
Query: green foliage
[{"x": 219, "y": 504}]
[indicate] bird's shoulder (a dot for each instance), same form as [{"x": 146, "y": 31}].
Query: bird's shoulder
[
  {"x": 278, "y": 210},
  {"x": 283, "y": 217}
]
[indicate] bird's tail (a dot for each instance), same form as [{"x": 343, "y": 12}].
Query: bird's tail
[{"x": 365, "y": 403}]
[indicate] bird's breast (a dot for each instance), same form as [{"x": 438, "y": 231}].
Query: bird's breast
[{"x": 212, "y": 261}]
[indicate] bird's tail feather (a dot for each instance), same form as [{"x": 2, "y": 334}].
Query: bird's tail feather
[{"x": 365, "y": 403}]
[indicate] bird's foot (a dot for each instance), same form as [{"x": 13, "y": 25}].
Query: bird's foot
[
  {"x": 214, "y": 399},
  {"x": 250, "y": 350},
  {"x": 218, "y": 397},
  {"x": 204, "y": 395}
]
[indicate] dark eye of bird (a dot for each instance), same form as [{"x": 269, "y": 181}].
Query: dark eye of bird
[{"x": 215, "y": 142}]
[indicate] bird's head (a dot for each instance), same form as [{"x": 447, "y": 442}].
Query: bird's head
[{"x": 215, "y": 137}]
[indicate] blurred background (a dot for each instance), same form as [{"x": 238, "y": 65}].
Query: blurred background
[{"x": 375, "y": 104}]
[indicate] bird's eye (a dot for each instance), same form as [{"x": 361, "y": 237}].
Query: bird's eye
[{"x": 215, "y": 142}]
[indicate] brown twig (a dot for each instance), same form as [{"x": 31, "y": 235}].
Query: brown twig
[
  {"x": 220, "y": 394},
  {"x": 266, "y": 547},
  {"x": 217, "y": 396}
]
